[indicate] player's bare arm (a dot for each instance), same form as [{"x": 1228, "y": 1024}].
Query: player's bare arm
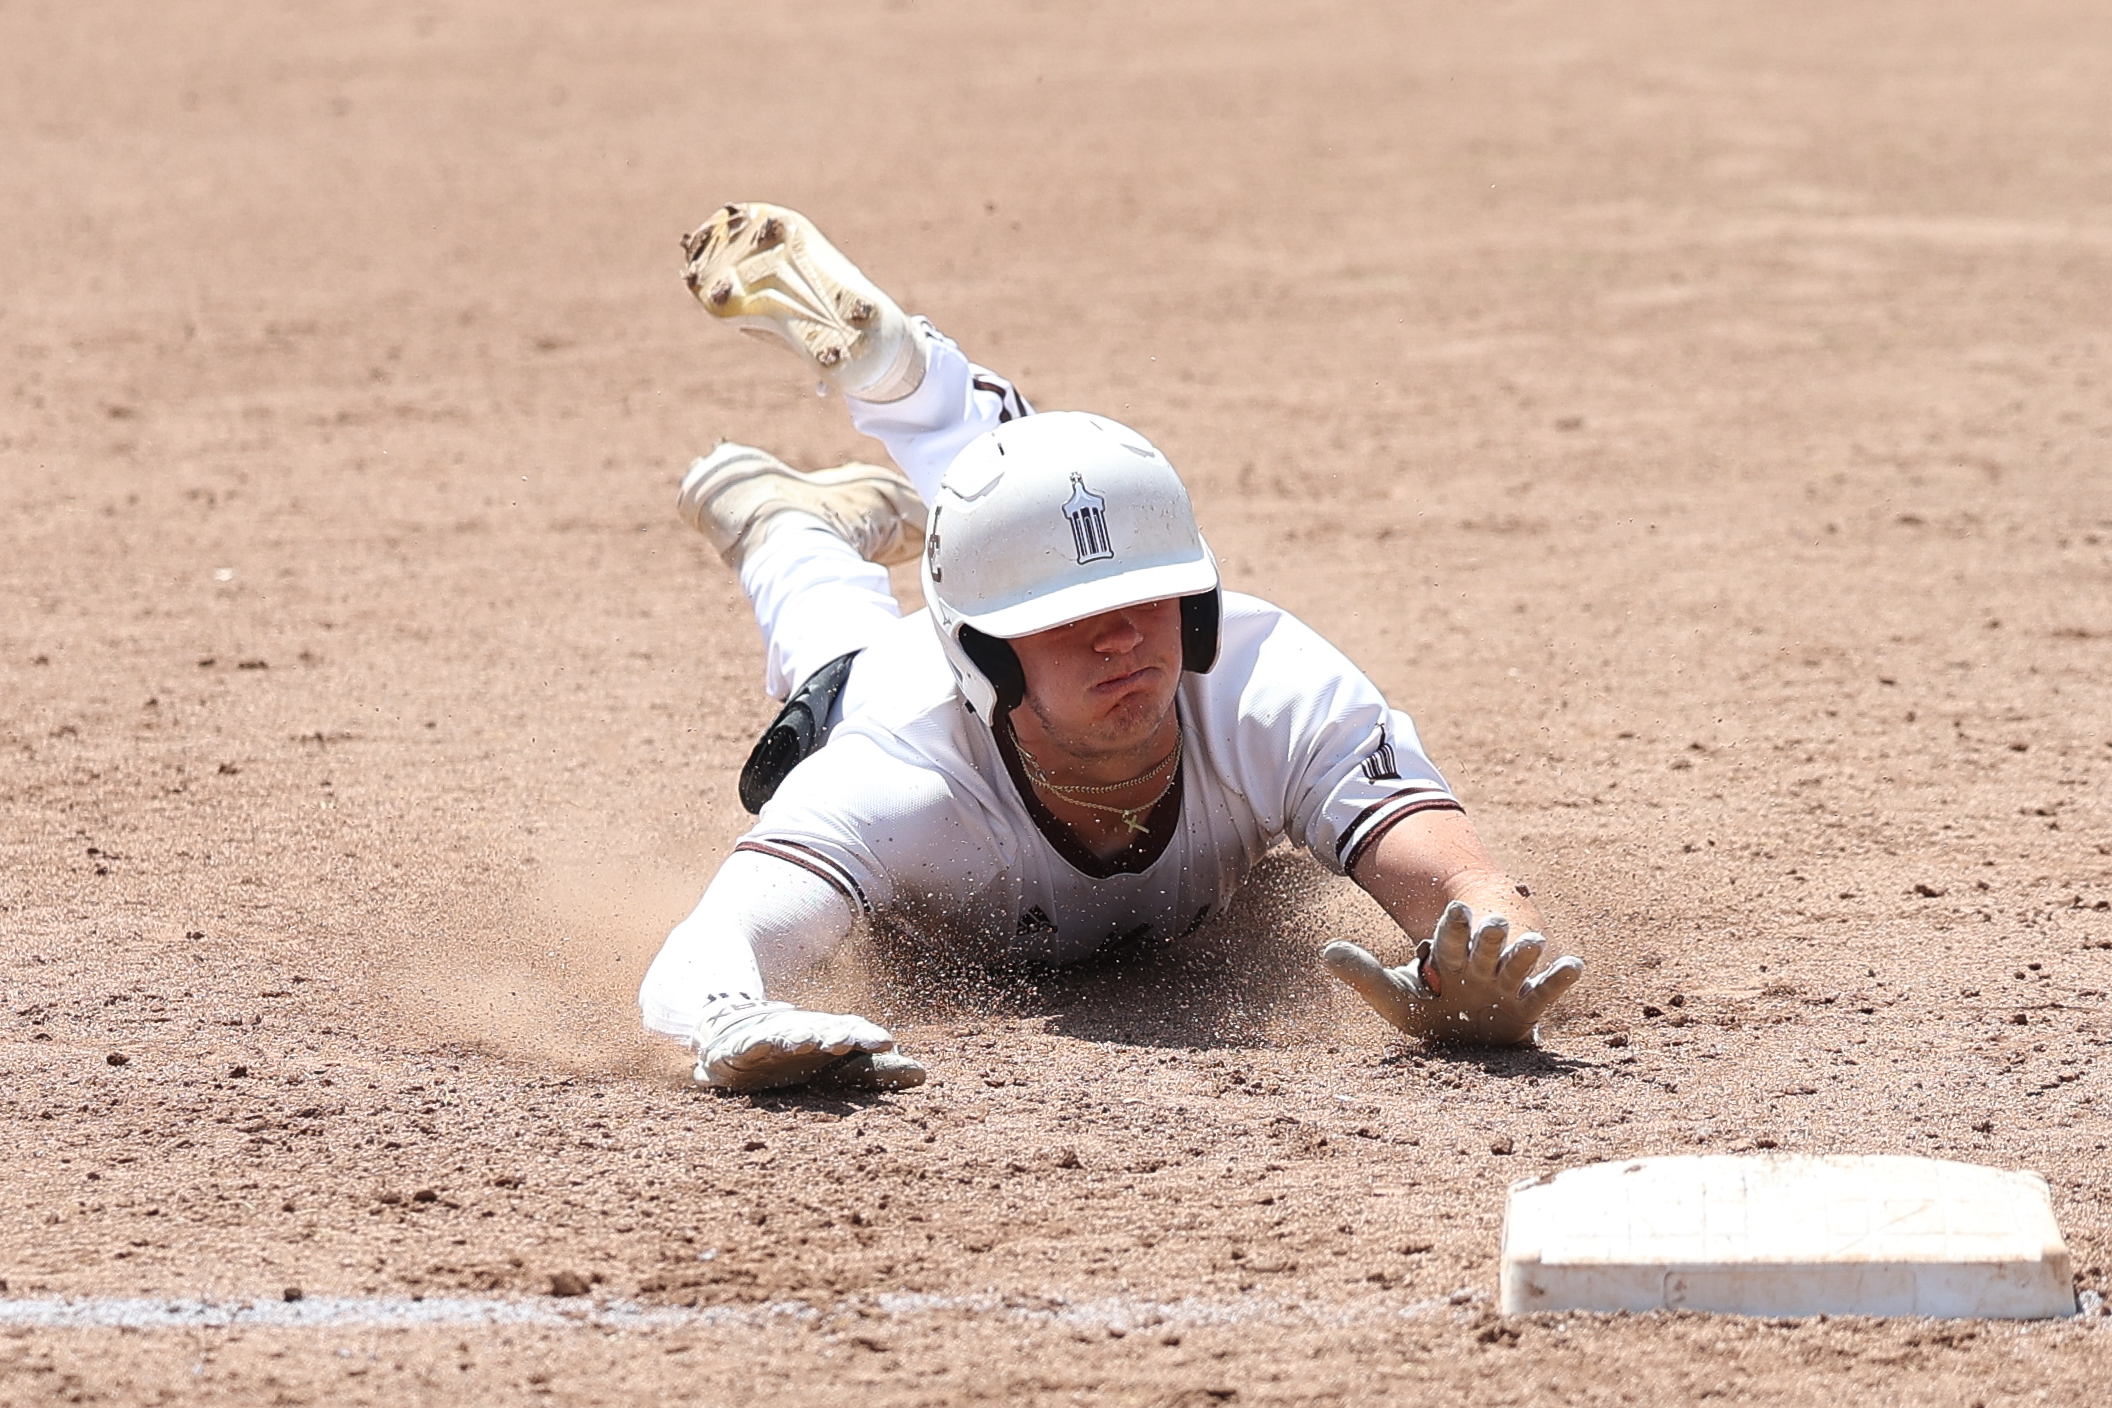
[{"x": 1471, "y": 980}]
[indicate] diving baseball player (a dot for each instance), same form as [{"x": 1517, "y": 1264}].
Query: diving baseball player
[{"x": 1083, "y": 739}]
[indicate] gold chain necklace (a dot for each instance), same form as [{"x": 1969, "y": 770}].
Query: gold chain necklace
[{"x": 1076, "y": 793}]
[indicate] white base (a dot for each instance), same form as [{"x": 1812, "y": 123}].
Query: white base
[{"x": 1789, "y": 1235}]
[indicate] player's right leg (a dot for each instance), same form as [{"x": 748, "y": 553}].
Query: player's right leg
[
  {"x": 767, "y": 270},
  {"x": 811, "y": 548}
]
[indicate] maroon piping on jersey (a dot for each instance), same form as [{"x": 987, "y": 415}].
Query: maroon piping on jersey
[
  {"x": 1432, "y": 801},
  {"x": 814, "y": 862}
]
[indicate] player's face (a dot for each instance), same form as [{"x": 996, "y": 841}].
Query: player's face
[{"x": 1104, "y": 685}]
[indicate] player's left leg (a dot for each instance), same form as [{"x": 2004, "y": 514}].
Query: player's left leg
[
  {"x": 768, "y": 271},
  {"x": 954, "y": 403}
]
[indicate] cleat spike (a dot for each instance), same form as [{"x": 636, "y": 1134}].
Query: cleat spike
[{"x": 767, "y": 271}]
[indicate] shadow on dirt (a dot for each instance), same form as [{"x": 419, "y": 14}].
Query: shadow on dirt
[
  {"x": 803, "y": 1099},
  {"x": 1247, "y": 977},
  {"x": 1502, "y": 1062}
]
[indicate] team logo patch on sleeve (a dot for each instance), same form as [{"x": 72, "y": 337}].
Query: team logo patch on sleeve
[
  {"x": 1088, "y": 514},
  {"x": 1034, "y": 921},
  {"x": 1380, "y": 766}
]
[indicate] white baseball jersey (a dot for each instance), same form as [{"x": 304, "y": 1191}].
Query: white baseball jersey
[{"x": 916, "y": 808}]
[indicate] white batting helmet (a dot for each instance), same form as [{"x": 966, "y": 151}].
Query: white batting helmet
[{"x": 1047, "y": 520}]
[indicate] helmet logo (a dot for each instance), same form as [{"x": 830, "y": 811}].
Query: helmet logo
[
  {"x": 931, "y": 549},
  {"x": 1088, "y": 514}
]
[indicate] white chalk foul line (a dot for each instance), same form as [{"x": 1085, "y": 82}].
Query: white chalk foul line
[
  {"x": 451, "y": 1312},
  {"x": 471, "y": 1312},
  {"x": 322, "y": 1312}
]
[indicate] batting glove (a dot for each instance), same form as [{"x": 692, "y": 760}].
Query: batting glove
[
  {"x": 745, "y": 1043},
  {"x": 1467, "y": 984}
]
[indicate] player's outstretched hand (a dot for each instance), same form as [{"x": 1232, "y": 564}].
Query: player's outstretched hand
[
  {"x": 744, "y": 1044},
  {"x": 1466, "y": 984}
]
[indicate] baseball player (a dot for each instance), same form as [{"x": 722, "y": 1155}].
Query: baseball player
[{"x": 1083, "y": 739}]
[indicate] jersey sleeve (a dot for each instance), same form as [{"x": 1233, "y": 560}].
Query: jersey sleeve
[
  {"x": 1315, "y": 747},
  {"x": 885, "y": 829},
  {"x": 757, "y": 914}
]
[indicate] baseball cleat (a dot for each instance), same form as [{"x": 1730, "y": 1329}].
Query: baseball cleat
[
  {"x": 767, "y": 271},
  {"x": 735, "y": 495}
]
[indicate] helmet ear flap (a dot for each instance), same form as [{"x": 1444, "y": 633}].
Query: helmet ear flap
[
  {"x": 999, "y": 662},
  {"x": 1000, "y": 665},
  {"x": 1200, "y": 615}
]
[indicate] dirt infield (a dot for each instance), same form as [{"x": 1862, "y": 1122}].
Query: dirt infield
[{"x": 1696, "y": 415}]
